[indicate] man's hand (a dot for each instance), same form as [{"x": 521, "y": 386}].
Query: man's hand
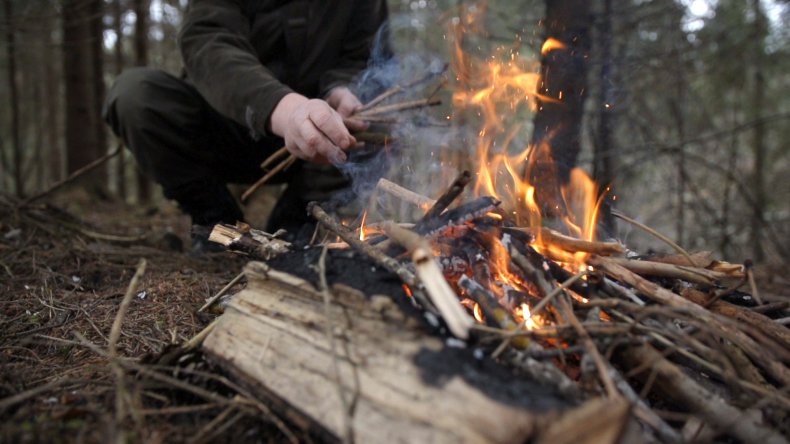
[
  {"x": 312, "y": 129},
  {"x": 346, "y": 104}
]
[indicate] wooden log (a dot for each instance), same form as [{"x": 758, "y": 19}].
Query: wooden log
[{"x": 272, "y": 338}]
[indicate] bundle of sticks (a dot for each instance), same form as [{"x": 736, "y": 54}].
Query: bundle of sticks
[
  {"x": 673, "y": 335},
  {"x": 374, "y": 111}
]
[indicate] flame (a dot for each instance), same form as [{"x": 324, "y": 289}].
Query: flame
[
  {"x": 407, "y": 290},
  {"x": 478, "y": 313},
  {"x": 501, "y": 89},
  {"x": 550, "y": 45},
  {"x": 362, "y": 225}
]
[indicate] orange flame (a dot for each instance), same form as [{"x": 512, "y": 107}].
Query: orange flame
[
  {"x": 362, "y": 226},
  {"x": 550, "y": 45}
]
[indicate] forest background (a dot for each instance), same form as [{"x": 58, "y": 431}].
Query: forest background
[{"x": 686, "y": 113}]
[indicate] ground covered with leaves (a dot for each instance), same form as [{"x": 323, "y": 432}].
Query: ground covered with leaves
[{"x": 64, "y": 270}]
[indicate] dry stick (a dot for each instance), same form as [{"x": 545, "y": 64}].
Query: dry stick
[
  {"x": 222, "y": 292},
  {"x": 592, "y": 349},
  {"x": 380, "y": 98},
  {"x": 11, "y": 401},
  {"x": 404, "y": 194},
  {"x": 684, "y": 390},
  {"x": 187, "y": 387},
  {"x": 664, "y": 341},
  {"x": 447, "y": 198},
  {"x": 753, "y": 285},
  {"x": 658, "y": 235},
  {"x": 432, "y": 278},
  {"x": 275, "y": 156},
  {"x": 572, "y": 244},
  {"x": 330, "y": 334},
  {"x": 262, "y": 181},
  {"x": 758, "y": 353},
  {"x": 686, "y": 273},
  {"x": 86, "y": 169},
  {"x": 121, "y": 396},
  {"x": 395, "y": 107}
]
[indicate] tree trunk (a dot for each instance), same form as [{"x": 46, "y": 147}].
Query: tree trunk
[
  {"x": 99, "y": 89},
  {"x": 82, "y": 145},
  {"x": 14, "y": 93},
  {"x": 758, "y": 142},
  {"x": 52, "y": 99},
  {"x": 558, "y": 122},
  {"x": 120, "y": 165},
  {"x": 605, "y": 152},
  {"x": 141, "y": 59}
]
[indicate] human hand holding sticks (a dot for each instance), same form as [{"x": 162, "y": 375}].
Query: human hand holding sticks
[{"x": 320, "y": 131}]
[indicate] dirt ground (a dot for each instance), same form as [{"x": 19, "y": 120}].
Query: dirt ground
[{"x": 64, "y": 270}]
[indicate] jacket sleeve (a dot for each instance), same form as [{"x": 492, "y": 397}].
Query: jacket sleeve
[
  {"x": 367, "y": 19},
  {"x": 221, "y": 62}
]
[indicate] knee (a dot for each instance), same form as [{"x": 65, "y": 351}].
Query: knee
[{"x": 132, "y": 95}]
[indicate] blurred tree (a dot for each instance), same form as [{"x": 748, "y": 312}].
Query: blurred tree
[
  {"x": 141, "y": 36},
  {"x": 80, "y": 69},
  {"x": 118, "y": 57},
  {"x": 13, "y": 89}
]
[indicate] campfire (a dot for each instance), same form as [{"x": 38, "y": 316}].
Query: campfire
[{"x": 508, "y": 261}]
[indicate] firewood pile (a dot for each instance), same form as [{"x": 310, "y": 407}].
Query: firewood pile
[{"x": 667, "y": 348}]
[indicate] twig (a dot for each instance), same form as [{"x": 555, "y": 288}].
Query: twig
[
  {"x": 395, "y": 107},
  {"x": 222, "y": 292},
  {"x": 447, "y": 198},
  {"x": 753, "y": 284},
  {"x": 268, "y": 176},
  {"x": 73, "y": 176},
  {"x": 13, "y": 400},
  {"x": 658, "y": 235},
  {"x": 121, "y": 395},
  {"x": 330, "y": 334},
  {"x": 397, "y": 89},
  {"x": 556, "y": 291},
  {"x": 571, "y": 244},
  {"x": 275, "y": 156},
  {"x": 676, "y": 384},
  {"x": 404, "y": 194}
]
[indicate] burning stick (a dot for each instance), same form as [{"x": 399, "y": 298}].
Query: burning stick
[
  {"x": 370, "y": 251},
  {"x": 493, "y": 311},
  {"x": 444, "y": 201},
  {"x": 572, "y": 244},
  {"x": 445, "y": 299},
  {"x": 404, "y": 194}
]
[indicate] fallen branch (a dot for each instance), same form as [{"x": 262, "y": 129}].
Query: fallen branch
[{"x": 73, "y": 176}]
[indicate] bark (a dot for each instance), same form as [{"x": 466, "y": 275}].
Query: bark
[
  {"x": 605, "y": 151},
  {"x": 82, "y": 145},
  {"x": 120, "y": 163},
  {"x": 52, "y": 106},
  {"x": 14, "y": 94},
  {"x": 99, "y": 89},
  {"x": 564, "y": 79}
]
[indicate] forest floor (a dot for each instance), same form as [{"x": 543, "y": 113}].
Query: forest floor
[
  {"x": 64, "y": 270},
  {"x": 61, "y": 283}
]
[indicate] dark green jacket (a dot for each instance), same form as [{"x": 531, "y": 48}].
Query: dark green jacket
[{"x": 245, "y": 55}]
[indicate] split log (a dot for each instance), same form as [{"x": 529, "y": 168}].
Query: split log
[{"x": 272, "y": 338}]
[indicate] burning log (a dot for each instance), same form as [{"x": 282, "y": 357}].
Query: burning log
[{"x": 272, "y": 339}]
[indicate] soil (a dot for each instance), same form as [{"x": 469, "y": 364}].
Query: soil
[{"x": 61, "y": 277}]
